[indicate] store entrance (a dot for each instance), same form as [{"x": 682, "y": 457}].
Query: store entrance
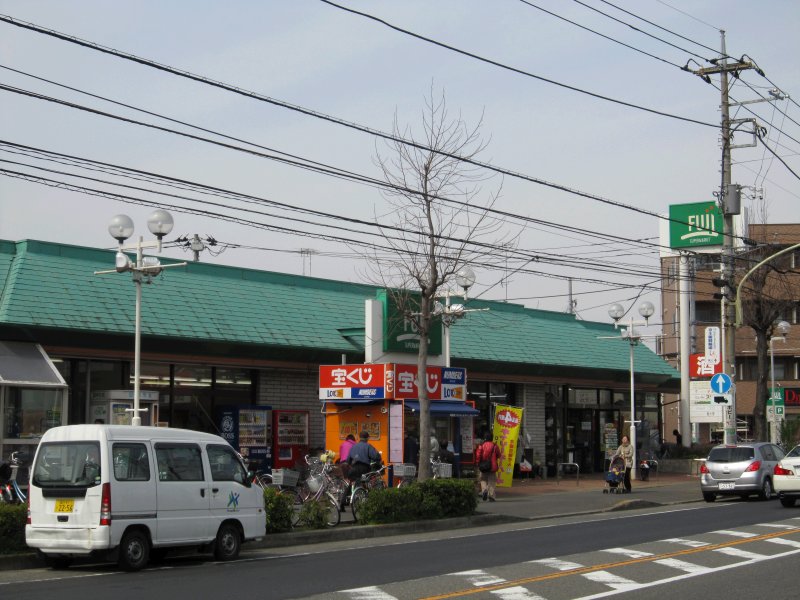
[{"x": 582, "y": 439}]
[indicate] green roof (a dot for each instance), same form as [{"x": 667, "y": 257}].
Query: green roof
[{"x": 49, "y": 286}]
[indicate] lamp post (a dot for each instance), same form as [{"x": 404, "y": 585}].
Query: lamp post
[
  {"x": 616, "y": 312},
  {"x": 465, "y": 278},
  {"x": 159, "y": 223},
  {"x": 783, "y": 327}
]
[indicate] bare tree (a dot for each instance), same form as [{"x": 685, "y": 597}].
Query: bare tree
[
  {"x": 768, "y": 294},
  {"x": 437, "y": 226}
]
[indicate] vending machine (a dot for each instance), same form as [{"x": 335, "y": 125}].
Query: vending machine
[
  {"x": 290, "y": 444},
  {"x": 249, "y": 431},
  {"x": 115, "y": 407}
]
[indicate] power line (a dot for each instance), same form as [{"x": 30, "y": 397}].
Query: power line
[{"x": 516, "y": 70}]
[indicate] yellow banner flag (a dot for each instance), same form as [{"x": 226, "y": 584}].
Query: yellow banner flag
[{"x": 507, "y": 424}]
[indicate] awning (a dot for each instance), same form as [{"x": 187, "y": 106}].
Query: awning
[
  {"x": 22, "y": 363},
  {"x": 445, "y": 408}
]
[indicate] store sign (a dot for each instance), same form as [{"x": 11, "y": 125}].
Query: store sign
[
  {"x": 701, "y": 367},
  {"x": 346, "y": 382},
  {"x": 712, "y": 344},
  {"x": 399, "y": 332},
  {"x": 791, "y": 396},
  {"x": 389, "y": 381},
  {"x": 696, "y": 224},
  {"x": 442, "y": 383}
]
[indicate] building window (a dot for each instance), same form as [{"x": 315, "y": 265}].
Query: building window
[{"x": 29, "y": 412}]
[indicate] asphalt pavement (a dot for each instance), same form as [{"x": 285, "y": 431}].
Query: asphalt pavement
[{"x": 526, "y": 499}]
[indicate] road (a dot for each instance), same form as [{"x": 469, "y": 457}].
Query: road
[{"x": 695, "y": 550}]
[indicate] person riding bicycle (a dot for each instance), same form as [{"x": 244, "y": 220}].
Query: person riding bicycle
[{"x": 361, "y": 457}]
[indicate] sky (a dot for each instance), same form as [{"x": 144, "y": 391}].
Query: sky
[{"x": 593, "y": 105}]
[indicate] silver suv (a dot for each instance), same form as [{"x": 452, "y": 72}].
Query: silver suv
[{"x": 739, "y": 470}]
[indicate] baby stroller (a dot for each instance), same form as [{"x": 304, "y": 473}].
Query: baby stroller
[{"x": 615, "y": 476}]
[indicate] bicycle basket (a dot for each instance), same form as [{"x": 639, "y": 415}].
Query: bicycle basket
[
  {"x": 443, "y": 470},
  {"x": 314, "y": 482},
  {"x": 405, "y": 470},
  {"x": 285, "y": 477}
]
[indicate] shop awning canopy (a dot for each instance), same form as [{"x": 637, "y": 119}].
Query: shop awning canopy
[
  {"x": 25, "y": 364},
  {"x": 445, "y": 408}
]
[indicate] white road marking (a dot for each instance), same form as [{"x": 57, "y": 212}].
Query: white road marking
[
  {"x": 628, "y": 552},
  {"x": 517, "y": 593},
  {"x": 614, "y": 581},
  {"x": 784, "y": 542},
  {"x": 682, "y": 565},
  {"x": 776, "y": 525},
  {"x": 685, "y": 542},
  {"x": 557, "y": 563},
  {"x": 479, "y": 577},
  {"x": 739, "y": 553},
  {"x": 368, "y": 593},
  {"x": 733, "y": 533}
]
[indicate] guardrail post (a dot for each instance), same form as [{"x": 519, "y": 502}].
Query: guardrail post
[{"x": 560, "y": 470}]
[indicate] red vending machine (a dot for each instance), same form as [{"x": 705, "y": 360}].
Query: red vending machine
[{"x": 290, "y": 438}]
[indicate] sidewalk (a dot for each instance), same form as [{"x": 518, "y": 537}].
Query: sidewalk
[{"x": 527, "y": 499}]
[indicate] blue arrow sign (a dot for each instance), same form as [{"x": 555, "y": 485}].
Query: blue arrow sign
[{"x": 721, "y": 383}]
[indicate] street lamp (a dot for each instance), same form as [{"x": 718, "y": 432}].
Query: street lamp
[
  {"x": 783, "y": 327},
  {"x": 616, "y": 312},
  {"x": 449, "y": 313},
  {"x": 159, "y": 223}
]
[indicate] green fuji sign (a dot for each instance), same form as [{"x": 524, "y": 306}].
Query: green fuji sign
[{"x": 696, "y": 224}]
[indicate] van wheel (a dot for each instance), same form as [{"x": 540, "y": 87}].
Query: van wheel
[
  {"x": 228, "y": 542},
  {"x": 134, "y": 551}
]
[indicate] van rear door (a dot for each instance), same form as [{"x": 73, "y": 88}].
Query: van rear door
[
  {"x": 67, "y": 480},
  {"x": 183, "y": 495}
]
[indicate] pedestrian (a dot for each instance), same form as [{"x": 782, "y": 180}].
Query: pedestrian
[
  {"x": 361, "y": 457},
  {"x": 678, "y": 437},
  {"x": 444, "y": 453},
  {"x": 344, "y": 447},
  {"x": 487, "y": 456},
  {"x": 411, "y": 448},
  {"x": 434, "y": 445},
  {"x": 625, "y": 451}
]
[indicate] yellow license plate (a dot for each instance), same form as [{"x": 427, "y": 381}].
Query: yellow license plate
[{"x": 65, "y": 506}]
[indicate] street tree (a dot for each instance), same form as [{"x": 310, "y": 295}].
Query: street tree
[
  {"x": 767, "y": 295},
  {"x": 441, "y": 221}
]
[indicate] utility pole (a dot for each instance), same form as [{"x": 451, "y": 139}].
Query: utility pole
[{"x": 729, "y": 201}]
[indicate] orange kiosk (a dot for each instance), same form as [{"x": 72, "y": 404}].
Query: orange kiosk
[{"x": 375, "y": 398}]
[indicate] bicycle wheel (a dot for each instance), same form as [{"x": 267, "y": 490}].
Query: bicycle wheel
[
  {"x": 359, "y": 497},
  {"x": 332, "y": 505},
  {"x": 297, "y": 504}
]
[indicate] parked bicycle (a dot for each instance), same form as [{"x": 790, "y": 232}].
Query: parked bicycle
[
  {"x": 363, "y": 486},
  {"x": 12, "y": 473},
  {"x": 322, "y": 484}
]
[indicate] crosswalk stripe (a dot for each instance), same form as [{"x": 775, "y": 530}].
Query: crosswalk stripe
[
  {"x": 369, "y": 593},
  {"x": 628, "y": 552},
  {"x": 557, "y": 563},
  {"x": 776, "y": 525},
  {"x": 517, "y": 593},
  {"x": 613, "y": 581},
  {"x": 682, "y": 565},
  {"x": 479, "y": 577},
  {"x": 784, "y": 542},
  {"x": 731, "y": 532},
  {"x": 738, "y": 552},
  {"x": 684, "y": 542}
]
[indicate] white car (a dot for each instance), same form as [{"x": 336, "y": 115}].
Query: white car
[{"x": 786, "y": 478}]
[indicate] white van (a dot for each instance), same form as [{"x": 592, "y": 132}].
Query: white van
[{"x": 131, "y": 493}]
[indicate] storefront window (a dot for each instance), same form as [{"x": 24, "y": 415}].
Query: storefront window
[
  {"x": 29, "y": 412},
  {"x": 233, "y": 387},
  {"x": 191, "y": 405}
]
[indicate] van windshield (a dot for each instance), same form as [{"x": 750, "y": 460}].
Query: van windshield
[{"x": 67, "y": 464}]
